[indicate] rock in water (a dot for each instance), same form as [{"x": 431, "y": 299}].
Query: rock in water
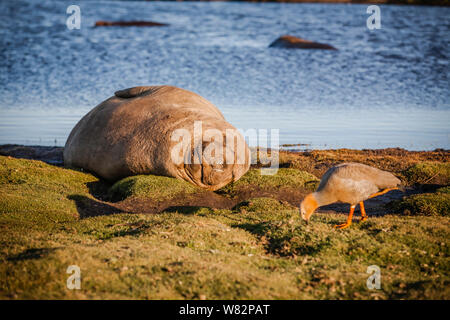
[
  {"x": 161, "y": 130},
  {"x": 291, "y": 42},
  {"x": 129, "y": 24}
]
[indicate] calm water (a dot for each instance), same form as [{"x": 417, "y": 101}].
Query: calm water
[{"x": 383, "y": 88}]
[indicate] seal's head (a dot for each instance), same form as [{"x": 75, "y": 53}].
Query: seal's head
[{"x": 213, "y": 164}]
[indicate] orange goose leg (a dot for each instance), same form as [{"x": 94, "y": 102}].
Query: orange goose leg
[
  {"x": 349, "y": 219},
  {"x": 382, "y": 192},
  {"x": 363, "y": 211}
]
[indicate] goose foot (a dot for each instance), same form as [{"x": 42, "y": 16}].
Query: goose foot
[
  {"x": 349, "y": 219},
  {"x": 342, "y": 226}
]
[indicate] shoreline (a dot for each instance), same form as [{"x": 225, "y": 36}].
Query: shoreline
[
  {"x": 54, "y": 154},
  {"x": 443, "y": 3},
  {"x": 311, "y": 162}
]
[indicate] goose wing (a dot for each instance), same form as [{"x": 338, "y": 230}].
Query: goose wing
[{"x": 355, "y": 182}]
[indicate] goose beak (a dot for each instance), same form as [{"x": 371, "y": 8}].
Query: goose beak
[{"x": 302, "y": 215}]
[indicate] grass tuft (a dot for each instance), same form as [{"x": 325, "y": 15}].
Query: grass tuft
[
  {"x": 284, "y": 178},
  {"x": 427, "y": 173},
  {"x": 443, "y": 190},
  {"x": 149, "y": 186},
  {"x": 264, "y": 206},
  {"x": 427, "y": 204}
]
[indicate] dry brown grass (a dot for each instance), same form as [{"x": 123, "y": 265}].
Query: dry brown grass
[{"x": 394, "y": 160}]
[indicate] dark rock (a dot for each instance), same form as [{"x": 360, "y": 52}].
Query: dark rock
[
  {"x": 291, "y": 42},
  {"x": 129, "y": 24},
  {"x": 51, "y": 155}
]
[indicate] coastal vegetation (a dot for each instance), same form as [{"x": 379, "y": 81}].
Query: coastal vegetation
[{"x": 150, "y": 237}]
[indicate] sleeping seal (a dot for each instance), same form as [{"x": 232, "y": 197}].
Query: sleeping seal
[{"x": 161, "y": 130}]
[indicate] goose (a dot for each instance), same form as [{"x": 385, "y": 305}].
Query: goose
[{"x": 350, "y": 183}]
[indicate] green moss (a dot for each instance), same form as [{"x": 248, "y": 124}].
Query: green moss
[
  {"x": 443, "y": 190},
  {"x": 263, "y": 204},
  {"x": 280, "y": 230},
  {"x": 428, "y": 172},
  {"x": 284, "y": 178},
  {"x": 427, "y": 204},
  {"x": 266, "y": 208},
  {"x": 150, "y": 186},
  {"x": 39, "y": 191},
  {"x": 284, "y": 239},
  {"x": 30, "y": 172}
]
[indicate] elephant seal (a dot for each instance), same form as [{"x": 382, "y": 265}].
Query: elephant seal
[
  {"x": 291, "y": 42},
  {"x": 160, "y": 130}
]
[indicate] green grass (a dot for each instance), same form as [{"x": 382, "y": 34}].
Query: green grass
[
  {"x": 284, "y": 178},
  {"x": 260, "y": 249},
  {"x": 428, "y": 172},
  {"x": 426, "y": 204},
  {"x": 264, "y": 206},
  {"x": 443, "y": 190},
  {"x": 34, "y": 193},
  {"x": 150, "y": 186}
]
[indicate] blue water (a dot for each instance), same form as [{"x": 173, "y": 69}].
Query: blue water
[{"x": 382, "y": 88}]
